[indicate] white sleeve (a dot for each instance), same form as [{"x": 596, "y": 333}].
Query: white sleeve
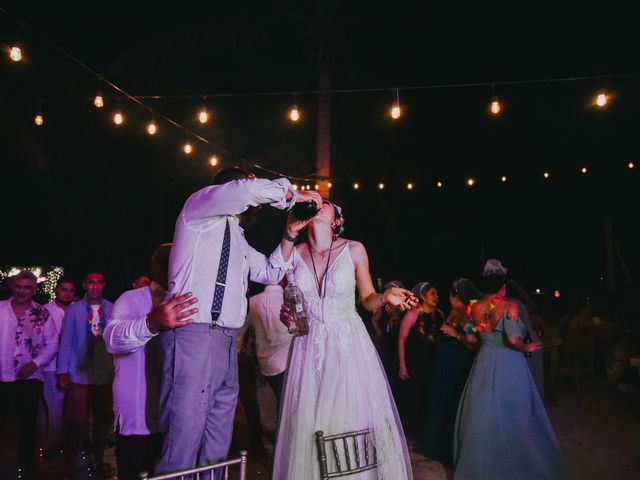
[
  {"x": 235, "y": 197},
  {"x": 126, "y": 330},
  {"x": 51, "y": 340},
  {"x": 268, "y": 270}
]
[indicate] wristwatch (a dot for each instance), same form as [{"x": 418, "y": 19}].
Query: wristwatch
[
  {"x": 288, "y": 237},
  {"x": 152, "y": 330}
]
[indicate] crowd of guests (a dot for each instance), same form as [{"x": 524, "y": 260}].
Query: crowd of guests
[{"x": 163, "y": 371}]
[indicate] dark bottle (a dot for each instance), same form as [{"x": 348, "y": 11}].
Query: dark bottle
[
  {"x": 305, "y": 210},
  {"x": 527, "y": 340}
]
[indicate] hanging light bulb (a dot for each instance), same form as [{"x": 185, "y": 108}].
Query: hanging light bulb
[
  {"x": 316, "y": 186},
  {"x": 15, "y": 53},
  {"x": 38, "y": 119},
  {"x": 187, "y": 148},
  {"x": 395, "y": 109},
  {"x": 152, "y": 128},
  {"x": 503, "y": 179},
  {"x": 356, "y": 186},
  {"x": 496, "y": 106},
  {"x": 329, "y": 185},
  {"x": 584, "y": 170},
  {"x": 118, "y": 118},
  {"x": 213, "y": 161},
  {"x": 98, "y": 101},
  {"x": 381, "y": 186},
  {"x": 294, "y": 114},
  {"x": 409, "y": 186},
  {"x": 203, "y": 115},
  {"x": 439, "y": 184},
  {"x": 602, "y": 99},
  {"x": 295, "y": 187},
  {"x": 471, "y": 181},
  {"x": 546, "y": 175},
  {"x": 631, "y": 165}
]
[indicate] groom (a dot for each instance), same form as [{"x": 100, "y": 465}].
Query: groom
[{"x": 211, "y": 258}]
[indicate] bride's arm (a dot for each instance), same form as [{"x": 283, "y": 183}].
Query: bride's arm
[{"x": 371, "y": 300}]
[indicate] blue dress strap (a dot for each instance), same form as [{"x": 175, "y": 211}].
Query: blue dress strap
[{"x": 512, "y": 328}]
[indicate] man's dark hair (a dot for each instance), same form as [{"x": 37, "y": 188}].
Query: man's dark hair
[
  {"x": 230, "y": 174},
  {"x": 62, "y": 280},
  {"x": 491, "y": 284}
]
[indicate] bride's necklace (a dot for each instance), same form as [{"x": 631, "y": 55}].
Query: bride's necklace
[{"x": 322, "y": 289}]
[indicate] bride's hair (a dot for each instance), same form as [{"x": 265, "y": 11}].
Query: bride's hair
[{"x": 338, "y": 214}]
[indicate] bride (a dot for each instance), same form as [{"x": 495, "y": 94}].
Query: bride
[{"x": 335, "y": 381}]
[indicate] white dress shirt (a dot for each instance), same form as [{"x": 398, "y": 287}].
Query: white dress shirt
[
  {"x": 197, "y": 244},
  {"x": 31, "y": 338},
  {"x": 57, "y": 315},
  {"x": 272, "y": 337},
  {"x": 135, "y": 384}
]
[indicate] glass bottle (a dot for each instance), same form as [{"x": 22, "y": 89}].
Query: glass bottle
[{"x": 294, "y": 301}]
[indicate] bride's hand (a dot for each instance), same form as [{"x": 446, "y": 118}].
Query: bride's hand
[
  {"x": 400, "y": 297},
  {"x": 286, "y": 318},
  {"x": 294, "y": 225}
]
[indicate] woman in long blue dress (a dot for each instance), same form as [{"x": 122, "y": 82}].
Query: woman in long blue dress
[{"x": 502, "y": 429}]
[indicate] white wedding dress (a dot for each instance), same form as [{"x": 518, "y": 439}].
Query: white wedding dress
[{"x": 335, "y": 382}]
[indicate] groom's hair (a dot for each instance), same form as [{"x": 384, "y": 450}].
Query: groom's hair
[{"x": 230, "y": 174}]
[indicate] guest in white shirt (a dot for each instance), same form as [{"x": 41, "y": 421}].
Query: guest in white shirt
[
  {"x": 272, "y": 337},
  {"x": 52, "y": 406},
  {"x": 199, "y": 383},
  {"x": 131, "y": 336},
  {"x": 28, "y": 341}
]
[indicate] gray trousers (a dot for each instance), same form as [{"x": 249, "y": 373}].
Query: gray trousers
[{"x": 198, "y": 395}]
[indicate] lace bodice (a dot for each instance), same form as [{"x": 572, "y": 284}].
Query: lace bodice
[{"x": 337, "y": 302}]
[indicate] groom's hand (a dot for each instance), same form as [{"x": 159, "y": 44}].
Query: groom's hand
[
  {"x": 173, "y": 313},
  {"x": 309, "y": 195}
]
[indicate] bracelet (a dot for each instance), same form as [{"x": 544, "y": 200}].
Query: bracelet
[
  {"x": 152, "y": 330},
  {"x": 288, "y": 237}
]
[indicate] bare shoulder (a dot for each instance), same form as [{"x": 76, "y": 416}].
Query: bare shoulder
[
  {"x": 511, "y": 309},
  {"x": 356, "y": 249}
]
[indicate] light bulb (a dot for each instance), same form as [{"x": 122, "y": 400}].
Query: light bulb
[
  {"x": 152, "y": 128},
  {"x": 98, "y": 102},
  {"x": 295, "y": 187},
  {"x": 38, "y": 120},
  {"x": 329, "y": 184},
  {"x": 15, "y": 53},
  {"x": 584, "y": 170},
  {"x": 471, "y": 182},
  {"x": 395, "y": 111},
  {"x": 409, "y": 186},
  {"x": 439, "y": 184},
  {"x": 503, "y": 179},
  {"x": 602, "y": 99},
  {"x": 316, "y": 186},
  {"x": 356, "y": 186},
  {"x": 546, "y": 175},
  {"x": 118, "y": 118},
  {"x": 556, "y": 294},
  {"x": 631, "y": 165},
  {"x": 294, "y": 114},
  {"x": 381, "y": 186},
  {"x": 496, "y": 107},
  {"x": 213, "y": 160},
  {"x": 203, "y": 115},
  {"x": 187, "y": 148}
]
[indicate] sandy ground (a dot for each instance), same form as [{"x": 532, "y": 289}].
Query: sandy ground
[{"x": 600, "y": 436}]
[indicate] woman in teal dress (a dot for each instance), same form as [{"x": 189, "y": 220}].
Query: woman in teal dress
[
  {"x": 452, "y": 361},
  {"x": 502, "y": 430}
]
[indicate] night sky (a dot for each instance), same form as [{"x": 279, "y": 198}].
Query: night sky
[{"x": 81, "y": 193}]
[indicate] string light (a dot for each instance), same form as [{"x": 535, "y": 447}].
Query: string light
[
  {"x": 152, "y": 128},
  {"x": 584, "y": 170},
  {"x": 316, "y": 186},
  {"x": 409, "y": 186},
  {"x": 439, "y": 184},
  {"x": 98, "y": 101},
  {"x": 496, "y": 106},
  {"x": 601, "y": 100},
  {"x": 15, "y": 53},
  {"x": 631, "y": 165},
  {"x": 395, "y": 109},
  {"x": 556, "y": 294},
  {"x": 203, "y": 114},
  {"x": 381, "y": 186},
  {"x": 503, "y": 179},
  {"x": 294, "y": 113},
  {"x": 546, "y": 175},
  {"x": 356, "y": 186},
  {"x": 38, "y": 120},
  {"x": 471, "y": 182},
  {"x": 187, "y": 148},
  {"x": 213, "y": 161},
  {"x": 295, "y": 187},
  {"x": 330, "y": 185}
]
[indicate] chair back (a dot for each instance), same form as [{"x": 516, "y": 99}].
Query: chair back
[
  {"x": 214, "y": 471},
  {"x": 350, "y": 453}
]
